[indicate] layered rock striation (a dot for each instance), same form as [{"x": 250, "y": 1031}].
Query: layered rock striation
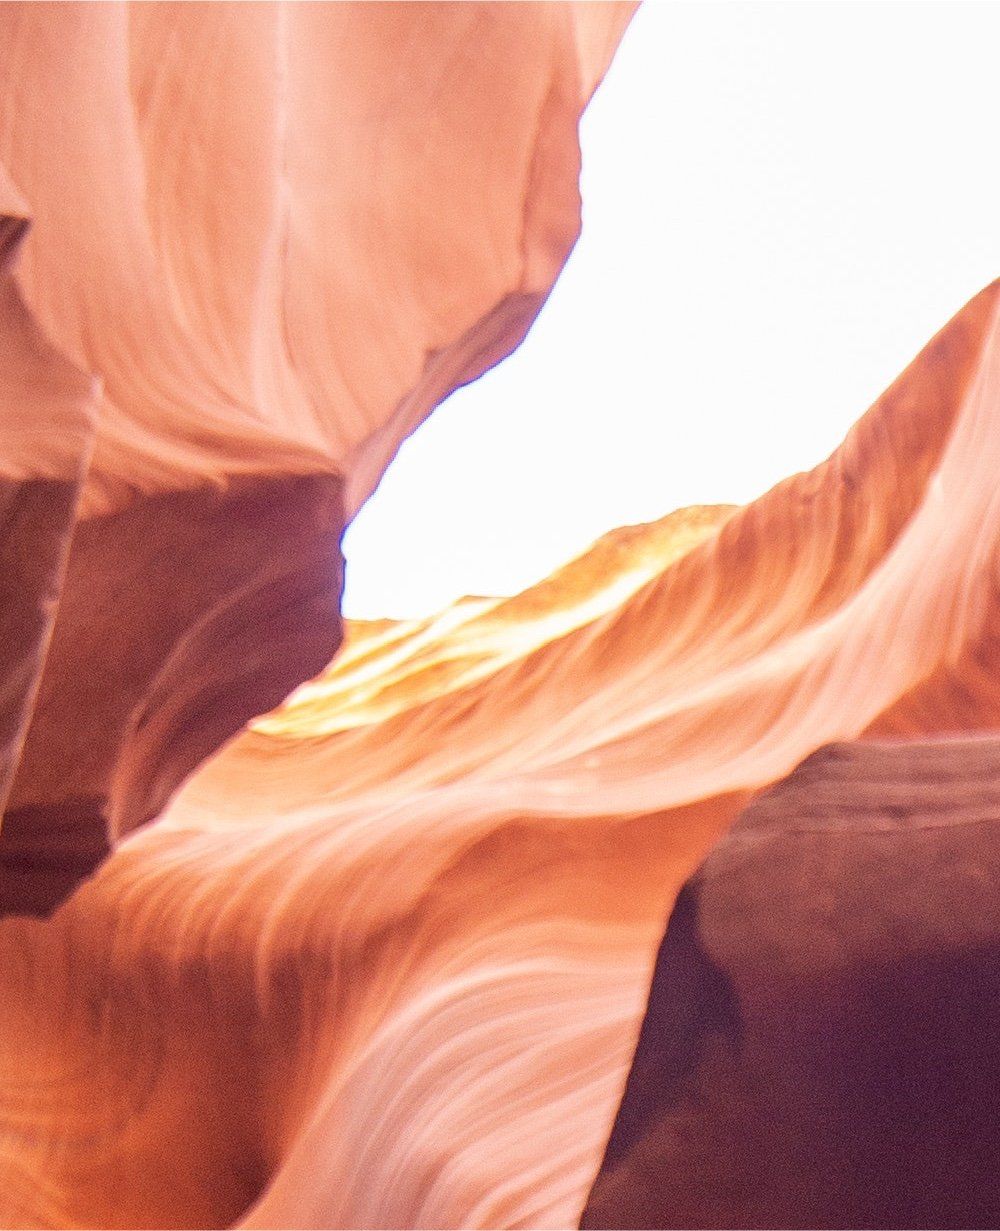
[
  {"x": 384, "y": 958},
  {"x": 404, "y": 928},
  {"x": 264, "y": 243}
]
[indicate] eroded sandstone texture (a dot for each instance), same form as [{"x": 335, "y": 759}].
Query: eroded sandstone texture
[
  {"x": 264, "y": 242},
  {"x": 383, "y": 959}
]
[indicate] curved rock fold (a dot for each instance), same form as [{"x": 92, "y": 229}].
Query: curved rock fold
[{"x": 384, "y": 958}]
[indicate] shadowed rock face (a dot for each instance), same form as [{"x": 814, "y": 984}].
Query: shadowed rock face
[
  {"x": 819, "y": 1043},
  {"x": 180, "y": 618},
  {"x": 36, "y": 520},
  {"x": 46, "y": 850},
  {"x": 146, "y": 589},
  {"x": 46, "y": 406}
]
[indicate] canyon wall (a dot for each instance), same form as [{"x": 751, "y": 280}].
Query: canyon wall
[
  {"x": 245, "y": 251},
  {"x": 385, "y": 959},
  {"x": 394, "y": 955},
  {"x": 818, "y": 1046}
]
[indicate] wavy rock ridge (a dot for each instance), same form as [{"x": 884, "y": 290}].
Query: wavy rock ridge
[
  {"x": 404, "y": 931},
  {"x": 385, "y": 960}
]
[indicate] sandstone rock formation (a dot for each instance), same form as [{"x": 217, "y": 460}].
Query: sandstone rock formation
[
  {"x": 384, "y": 958},
  {"x": 819, "y": 1046},
  {"x": 265, "y": 242}
]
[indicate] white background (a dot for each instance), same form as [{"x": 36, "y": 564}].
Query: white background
[{"x": 782, "y": 203}]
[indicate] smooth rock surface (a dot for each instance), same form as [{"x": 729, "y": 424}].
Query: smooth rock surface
[
  {"x": 280, "y": 234},
  {"x": 383, "y": 957},
  {"x": 820, "y": 1038},
  {"x": 47, "y": 410}
]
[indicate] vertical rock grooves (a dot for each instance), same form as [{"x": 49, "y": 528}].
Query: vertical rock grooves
[
  {"x": 276, "y": 236},
  {"x": 47, "y": 410}
]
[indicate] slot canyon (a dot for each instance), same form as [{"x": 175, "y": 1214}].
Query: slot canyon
[{"x": 661, "y": 894}]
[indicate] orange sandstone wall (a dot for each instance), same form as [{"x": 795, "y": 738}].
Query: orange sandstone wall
[{"x": 385, "y": 959}]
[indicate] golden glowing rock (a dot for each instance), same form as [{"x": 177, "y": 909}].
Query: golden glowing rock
[{"x": 388, "y": 666}]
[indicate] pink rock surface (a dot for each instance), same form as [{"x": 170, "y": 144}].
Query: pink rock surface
[
  {"x": 384, "y": 958},
  {"x": 281, "y": 234},
  {"x": 409, "y": 956},
  {"x": 265, "y": 242}
]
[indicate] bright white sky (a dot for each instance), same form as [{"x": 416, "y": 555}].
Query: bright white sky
[{"x": 782, "y": 203}]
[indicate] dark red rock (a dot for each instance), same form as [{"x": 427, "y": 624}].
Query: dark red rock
[
  {"x": 46, "y": 851},
  {"x": 181, "y": 618},
  {"x": 819, "y": 1046}
]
